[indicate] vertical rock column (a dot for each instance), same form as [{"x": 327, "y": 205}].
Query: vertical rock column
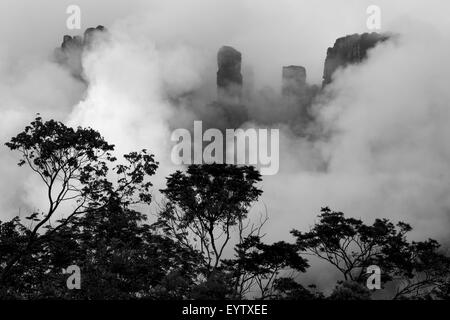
[
  {"x": 293, "y": 81},
  {"x": 296, "y": 93},
  {"x": 229, "y": 77}
]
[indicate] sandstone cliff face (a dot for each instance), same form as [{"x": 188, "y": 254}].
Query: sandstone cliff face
[
  {"x": 349, "y": 50},
  {"x": 71, "y": 50}
]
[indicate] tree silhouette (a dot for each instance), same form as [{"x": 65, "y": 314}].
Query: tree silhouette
[
  {"x": 286, "y": 288},
  {"x": 122, "y": 258},
  {"x": 350, "y": 290},
  {"x": 73, "y": 165},
  {"x": 351, "y": 246},
  {"x": 96, "y": 220},
  {"x": 206, "y": 202},
  {"x": 258, "y": 264}
]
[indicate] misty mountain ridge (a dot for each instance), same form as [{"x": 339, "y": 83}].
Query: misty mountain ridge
[{"x": 231, "y": 108}]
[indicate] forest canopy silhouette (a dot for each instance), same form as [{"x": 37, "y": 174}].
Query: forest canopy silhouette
[{"x": 95, "y": 220}]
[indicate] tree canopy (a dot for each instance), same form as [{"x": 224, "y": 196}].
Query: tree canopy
[{"x": 202, "y": 243}]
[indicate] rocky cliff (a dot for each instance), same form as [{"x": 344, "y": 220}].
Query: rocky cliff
[
  {"x": 349, "y": 50},
  {"x": 229, "y": 77},
  {"x": 71, "y": 50},
  {"x": 297, "y": 95}
]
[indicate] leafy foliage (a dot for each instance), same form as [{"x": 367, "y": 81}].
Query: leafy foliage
[
  {"x": 350, "y": 290},
  {"x": 260, "y": 264},
  {"x": 351, "y": 246},
  {"x": 102, "y": 228},
  {"x": 207, "y": 200}
]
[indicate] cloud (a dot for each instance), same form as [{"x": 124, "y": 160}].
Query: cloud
[{"x": 388, "y": 155}]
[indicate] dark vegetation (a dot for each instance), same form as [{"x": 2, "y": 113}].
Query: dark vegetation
[{"x": 96, "y": 219}]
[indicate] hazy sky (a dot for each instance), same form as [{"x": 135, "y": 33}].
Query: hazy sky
[{"x": 287, "y": 31}]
